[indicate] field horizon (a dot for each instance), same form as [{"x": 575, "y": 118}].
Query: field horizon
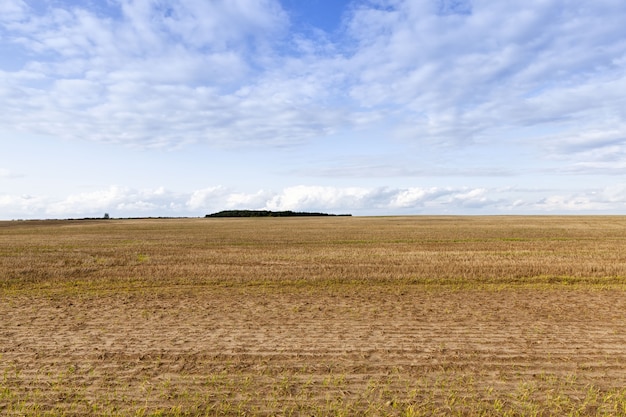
[{"x": 361, "y": 315}]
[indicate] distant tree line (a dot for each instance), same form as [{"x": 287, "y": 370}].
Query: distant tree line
[{"x": 268, "y": 213}]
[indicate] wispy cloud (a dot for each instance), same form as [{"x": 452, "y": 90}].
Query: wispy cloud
[
  {"x": 458, "y": 97},
  {"x": 383, "y": 167},
  {"x": 229, "y": 73},
  {"x": 504, "y": 65},
  {"x": 12, "y": 10}
]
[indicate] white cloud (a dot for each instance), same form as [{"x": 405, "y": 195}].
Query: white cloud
[
  {"x": 21, "y": 206},
  {"x": 611, "y": 198},
  {"x": 477, "y": 198},
  {"x": 11, "y": 10},
  {"x": 129, "y": 202},
  {"x": 228, "y": 73},
  {"x": 414, "y": 197},
  {"x": 249, "y": 201},
  {"x": 123, "y": 201},
  {"x": 220, "y": 23},
  {"x": 507, "y": 64},
  {"x": 160, "y": 76},
  {"x": 457, "y": 93},
  {"x": 317, "y": 198},
  {"x": 591, "y": 144},
  {"x": 569, "y": 203},
  {"x": 206, "y": 198}
]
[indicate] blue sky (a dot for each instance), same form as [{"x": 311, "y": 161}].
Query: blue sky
[{"x": 369, "y": 107}]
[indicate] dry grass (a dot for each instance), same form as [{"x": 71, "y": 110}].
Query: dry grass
[{"x": 399, "y": 316}]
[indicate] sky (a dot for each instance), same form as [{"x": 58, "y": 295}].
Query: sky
[{"x": 140, "y": 108}]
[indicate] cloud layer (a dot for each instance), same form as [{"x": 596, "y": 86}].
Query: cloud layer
[
  {"x": 405, "y": 106},
  {"x": 126, "y": 202},
  {"x": 232, "y": 73}
]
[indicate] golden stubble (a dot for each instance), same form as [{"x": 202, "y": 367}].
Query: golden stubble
[{"x": 314, "y": 316}]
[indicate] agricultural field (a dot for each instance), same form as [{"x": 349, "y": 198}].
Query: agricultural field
[{"x": 380, "y": 316}]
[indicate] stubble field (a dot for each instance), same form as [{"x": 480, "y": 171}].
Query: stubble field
[{"x": 398, "y": 316}]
